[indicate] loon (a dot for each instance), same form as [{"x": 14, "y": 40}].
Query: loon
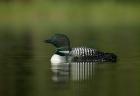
[{"x": 65, "y": 53}]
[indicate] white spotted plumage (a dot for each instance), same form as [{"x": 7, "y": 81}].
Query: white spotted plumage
[{"x": 82, "y": 51}]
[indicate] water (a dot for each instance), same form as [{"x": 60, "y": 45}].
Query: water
[{"x": 25, "y": 68}]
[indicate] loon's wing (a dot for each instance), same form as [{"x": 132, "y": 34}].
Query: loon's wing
[
  {"x": 83, "y": 51},
  {"x": 90, "y": 54},
  {"x": 84, "y": 54}
]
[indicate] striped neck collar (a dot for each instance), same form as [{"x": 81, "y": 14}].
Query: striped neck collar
[{"x": 62, "y": 51}]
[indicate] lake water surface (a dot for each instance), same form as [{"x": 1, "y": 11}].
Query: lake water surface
[{"x": 25, "y": 68}]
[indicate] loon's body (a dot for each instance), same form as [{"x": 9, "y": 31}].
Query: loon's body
[{"x": 65, "y": 53}]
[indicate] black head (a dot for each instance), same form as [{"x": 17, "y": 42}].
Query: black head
[{"x": 59, "y": 40}]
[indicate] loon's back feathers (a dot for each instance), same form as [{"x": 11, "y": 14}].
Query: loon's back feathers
[
  {"x": 62, "y": 43},
  {"x": 90, "y": 54},
  {"x": 83, "y": 51}
]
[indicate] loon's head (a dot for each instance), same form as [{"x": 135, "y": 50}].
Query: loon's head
[{"x": 59, "y": 41}]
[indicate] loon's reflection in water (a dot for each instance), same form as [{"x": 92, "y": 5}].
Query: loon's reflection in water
[
  {"x": 82, "y": 70},
  {"x": 64, "y": 72},
  {"x": 61, "y": 72}
]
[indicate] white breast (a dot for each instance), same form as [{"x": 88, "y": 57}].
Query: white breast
[{"x": 57, "y": 59}]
